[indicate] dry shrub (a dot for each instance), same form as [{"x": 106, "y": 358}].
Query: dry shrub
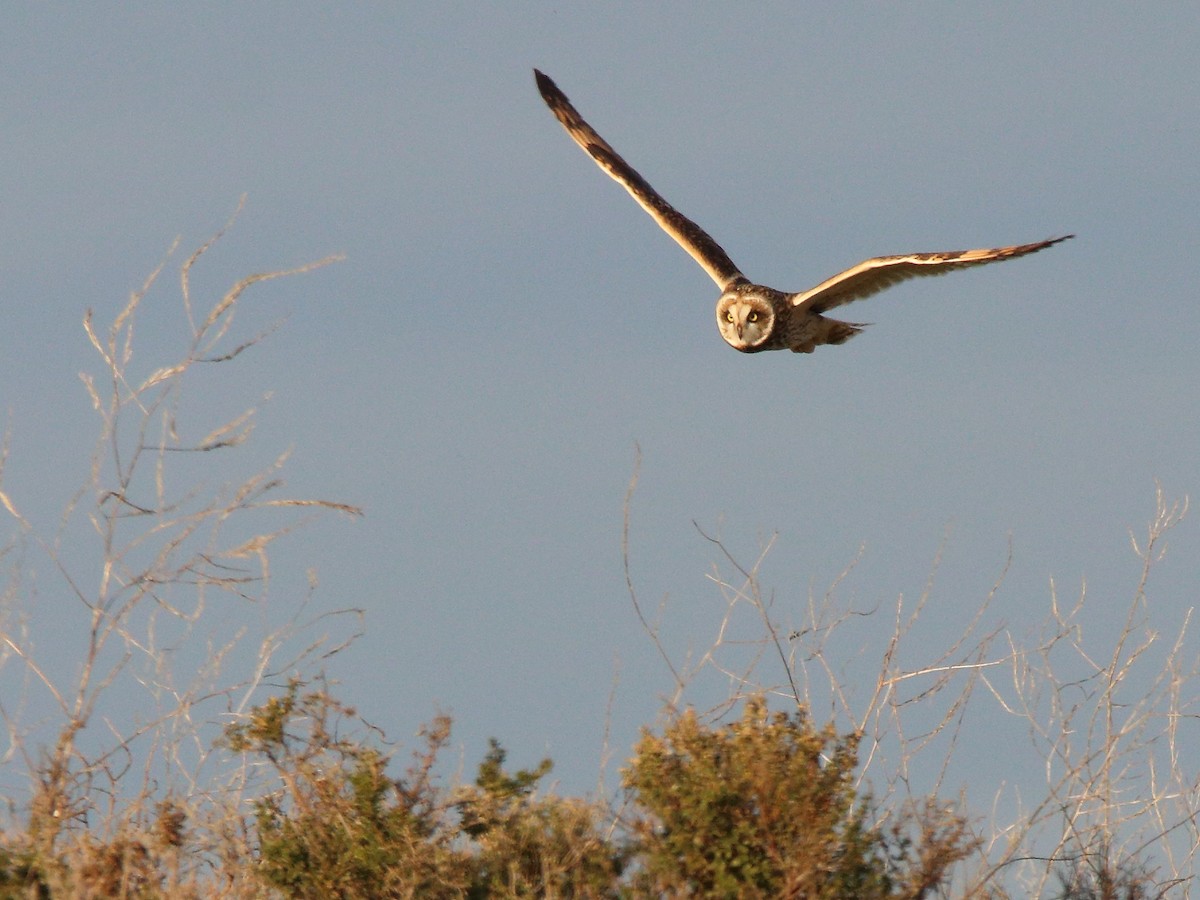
[
  {"x": 1107, "y": 718},
  {"x": 159, "y": 585}
]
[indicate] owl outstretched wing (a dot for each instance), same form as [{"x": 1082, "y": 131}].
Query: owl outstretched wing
[
  {"x": 874, "y": 275},
  {"x": 690, "y": 236}
]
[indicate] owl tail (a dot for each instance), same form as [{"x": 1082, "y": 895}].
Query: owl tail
[
  {"x": 829, "y": 331},
  {"x": 835, "y": 332}
]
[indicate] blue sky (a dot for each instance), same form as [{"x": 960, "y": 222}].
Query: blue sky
[{"x": 508, "y": 327}]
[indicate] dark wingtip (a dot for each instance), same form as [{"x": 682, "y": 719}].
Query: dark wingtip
[{"x": 545, "y": 85}]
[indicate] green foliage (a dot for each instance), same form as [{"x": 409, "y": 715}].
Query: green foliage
[
  {"x": 340, "y": 827},
  {"x": 766, "y": 807},
  {"x": 763, "y": 807},
  {"x": 527, "y": 846},
  {"x": 501, "y": 789}
]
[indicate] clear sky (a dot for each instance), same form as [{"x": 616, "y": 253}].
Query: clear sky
[{"x": 508, "y": 326}]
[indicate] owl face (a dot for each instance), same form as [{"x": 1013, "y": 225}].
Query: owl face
[{"x": 745, "y": 321}]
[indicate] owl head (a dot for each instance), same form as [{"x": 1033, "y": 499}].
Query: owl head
[{"x": 745, "y": 319}]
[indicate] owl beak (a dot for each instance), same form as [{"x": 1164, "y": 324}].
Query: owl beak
[{"x": 739, "y": 329}]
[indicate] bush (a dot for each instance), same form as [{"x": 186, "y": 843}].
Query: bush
[
  {"x": 763, "y": 807},
  {"x": 766, "y": 807},
  {"x": 338, "y": 826}
]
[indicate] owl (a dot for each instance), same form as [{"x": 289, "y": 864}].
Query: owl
[{"x": 752, "y": 317}]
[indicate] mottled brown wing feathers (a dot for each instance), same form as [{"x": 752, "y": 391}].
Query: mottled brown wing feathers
[
  {"x": 690, "y": 236},
  {"x": 874, "y": 275}
]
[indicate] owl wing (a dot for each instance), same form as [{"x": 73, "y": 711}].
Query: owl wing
[
  {"x": 690, "y": 236},
  {"x": 874, "y": 275}
]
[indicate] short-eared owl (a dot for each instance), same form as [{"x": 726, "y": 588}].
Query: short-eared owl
[{"x": 752, "y": 317}]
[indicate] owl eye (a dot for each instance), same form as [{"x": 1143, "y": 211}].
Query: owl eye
[
  {"x": 753, "y": 317},
  {"x": 728, "y": 317}
]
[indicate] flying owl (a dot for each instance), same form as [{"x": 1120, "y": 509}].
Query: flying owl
[{"x": 753, "y": 317}]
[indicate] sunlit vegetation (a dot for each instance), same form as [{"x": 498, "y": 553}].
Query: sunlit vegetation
[{"x": 245, "y": 773}]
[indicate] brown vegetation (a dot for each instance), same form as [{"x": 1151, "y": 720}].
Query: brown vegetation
[{"x": 218, "y": 787}]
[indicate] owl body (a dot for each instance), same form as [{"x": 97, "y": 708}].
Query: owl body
[{"x": 753, "y": 318}]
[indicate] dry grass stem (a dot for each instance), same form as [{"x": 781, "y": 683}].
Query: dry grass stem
[
  {"x": 130, "y": 742},
  {"x": 1104, "y": 717}
]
